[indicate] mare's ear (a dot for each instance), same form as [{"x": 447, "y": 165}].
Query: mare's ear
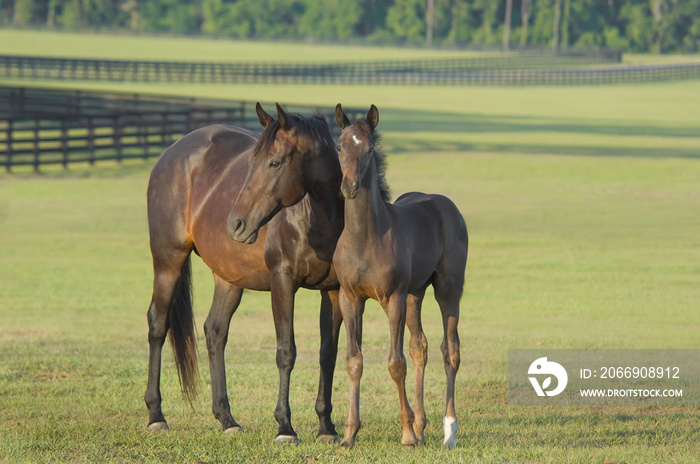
[
  {"x": 282, "y": 117},
  {"x": 340, "y": 117},
  {"x": 264, "y": 118},
  {"x": 373, "y": 116}
]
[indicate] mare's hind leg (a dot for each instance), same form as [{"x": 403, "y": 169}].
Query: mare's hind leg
[
  {"x": 330, "y": 321},
  {"x": 167, "y": 270},
  {"x": 227, "y": 297},
  {"x": 418, "y": 347},
  {"x": 448, "y": 292}
]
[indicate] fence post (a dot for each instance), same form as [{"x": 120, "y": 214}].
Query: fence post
[
  {"x": 91, "y": 141},
  {"x": 117, "y": 136},
  {"x": 64, "y": 144},
  {"x": 8, "y": 162},
  {"x": 36, "y": 145}
]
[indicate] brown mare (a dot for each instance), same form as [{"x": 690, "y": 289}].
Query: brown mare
[
  {"x": 392, "y": 253},
  {"x": 196, "y": 203}
]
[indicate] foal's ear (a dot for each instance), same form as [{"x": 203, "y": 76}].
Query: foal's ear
[
  {"x": 373, "y": 116},
  {"x": 264, "y": 118},
  {"x": 282, "y": 117},
  {"x": 340, "y": 117}
]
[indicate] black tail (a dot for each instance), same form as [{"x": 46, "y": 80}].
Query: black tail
[{"x": 182, "y": 333}]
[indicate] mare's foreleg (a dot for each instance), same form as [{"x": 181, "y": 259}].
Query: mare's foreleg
[
  {"x": 282, "y": 294},
  {"x": 352, "y": 310},
  {"x": 396, "y": 312},
  {"x": 330, "y": 321},
  {"x": 227, "y": 297},
  {"x": 418, "y": 347}
]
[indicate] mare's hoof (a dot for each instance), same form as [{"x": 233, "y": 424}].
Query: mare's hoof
[
  {"x": 158, "y": 427},
  {"x": 286, "y": 440},
  {"x": 328, "y": 439},
  {"x": 233, "y": 430}
]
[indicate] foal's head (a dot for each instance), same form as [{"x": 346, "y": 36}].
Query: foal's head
[
  {"x": 359, "y": 154},
  {"x": 290, "y": 159}
]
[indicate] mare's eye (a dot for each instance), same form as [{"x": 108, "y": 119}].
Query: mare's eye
[
  {"x": 338, "y": 148},
  {"x": 275, "y": 164}
]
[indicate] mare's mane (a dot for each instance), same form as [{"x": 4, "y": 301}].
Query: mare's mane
[{"x": 315, "y": 127}]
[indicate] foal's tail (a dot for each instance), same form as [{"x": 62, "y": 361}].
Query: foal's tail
[{"x": 182, "y": 332}]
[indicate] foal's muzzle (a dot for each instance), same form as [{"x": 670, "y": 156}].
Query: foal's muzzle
[{"x": 349, "y": 188}]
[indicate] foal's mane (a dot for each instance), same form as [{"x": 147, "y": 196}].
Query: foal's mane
[
  {"x": 314, "y": 126},
  {"x": 379, "y": 159}
]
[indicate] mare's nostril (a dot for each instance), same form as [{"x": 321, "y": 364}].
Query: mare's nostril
[{"x": 240, "y": 225}]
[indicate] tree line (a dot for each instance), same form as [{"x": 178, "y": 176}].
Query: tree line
[{"x": 630, "y": 25}]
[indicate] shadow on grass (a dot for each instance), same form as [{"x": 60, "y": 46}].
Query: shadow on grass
[
  {"x": 396, "y": 123},
  {"x": 429, "y": 121},
  {"x": 393, "y": 145}
]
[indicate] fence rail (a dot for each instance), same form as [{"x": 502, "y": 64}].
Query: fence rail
[
  {"x": 45, "y": 126},
  {"x": 452, "y": 71}
]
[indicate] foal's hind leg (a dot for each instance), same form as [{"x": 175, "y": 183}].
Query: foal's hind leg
[
  {"x": 167, "y": 270},
  {"x": 418, "y": 347},
  {"x": 396, "y": 311},
  {"x": 448, "y": 292},
  {"x": 227, "y": 297}
]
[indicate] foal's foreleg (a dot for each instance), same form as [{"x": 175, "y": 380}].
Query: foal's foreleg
[
  {"x": 352, "y": 309},
  {"x": 227, "y": 297},
  {"x": 329, "y": 321},
  {"x": 418, "y": 347},
  {"x": 282, "y": 294},
  {"x": 396, "y": 311}
]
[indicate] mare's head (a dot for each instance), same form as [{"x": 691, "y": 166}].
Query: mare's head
[
  {"x": 359, "y": 154},
  {"x": 290, "y": 159}
]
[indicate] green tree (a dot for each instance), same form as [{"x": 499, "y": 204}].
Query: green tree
[
  {"x": 330, "y": 19},
  {"x": 406, "y": 20},
  {"x": 24, "y": 11}
]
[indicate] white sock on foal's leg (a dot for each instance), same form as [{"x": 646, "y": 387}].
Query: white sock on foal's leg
[{"x": 450, "y": 426}]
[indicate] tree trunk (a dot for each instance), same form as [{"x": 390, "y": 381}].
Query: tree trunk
[
  {"x": 430, "y": 17},
  {"x": 555, "y": 32},
  {"x": 506, "y": 26},
  {"x": 565, "y": 24},
  {"x": 525, "y": 15}
]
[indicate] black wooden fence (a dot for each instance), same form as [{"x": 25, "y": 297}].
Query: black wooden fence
[
  {"x": 48, "y": 126},
  {"x": 451, "y": 71}
]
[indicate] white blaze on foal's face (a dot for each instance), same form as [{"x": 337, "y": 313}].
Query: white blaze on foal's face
[{"x": 355, "y": 139}]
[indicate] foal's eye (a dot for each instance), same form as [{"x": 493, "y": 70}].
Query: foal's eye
[
  {"x": 275, "y": 164},
  {"x": 338, "y": 148}
]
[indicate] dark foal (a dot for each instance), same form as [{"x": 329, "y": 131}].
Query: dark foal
[
  {"x": 195, "y": 203},
  {"x": 392, "y": 253}
]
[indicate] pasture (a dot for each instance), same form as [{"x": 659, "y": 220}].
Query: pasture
[{"x": 583, "y": 210}]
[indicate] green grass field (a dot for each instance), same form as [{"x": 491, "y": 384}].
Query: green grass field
[{"x": 583, "y": 207}]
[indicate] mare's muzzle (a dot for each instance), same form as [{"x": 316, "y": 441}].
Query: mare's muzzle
[{"x": 239, "y": 230}]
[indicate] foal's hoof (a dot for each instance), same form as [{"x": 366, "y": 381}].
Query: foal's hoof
[
  {"x": 328, "y": 439},
  {"x": 286, "y": 440},
  {"x": 233, "y": 430},
  {"x": 345, "y": 445},
  {"x": 158, "y": 427},
  {"x": 450, "y": 426}
]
